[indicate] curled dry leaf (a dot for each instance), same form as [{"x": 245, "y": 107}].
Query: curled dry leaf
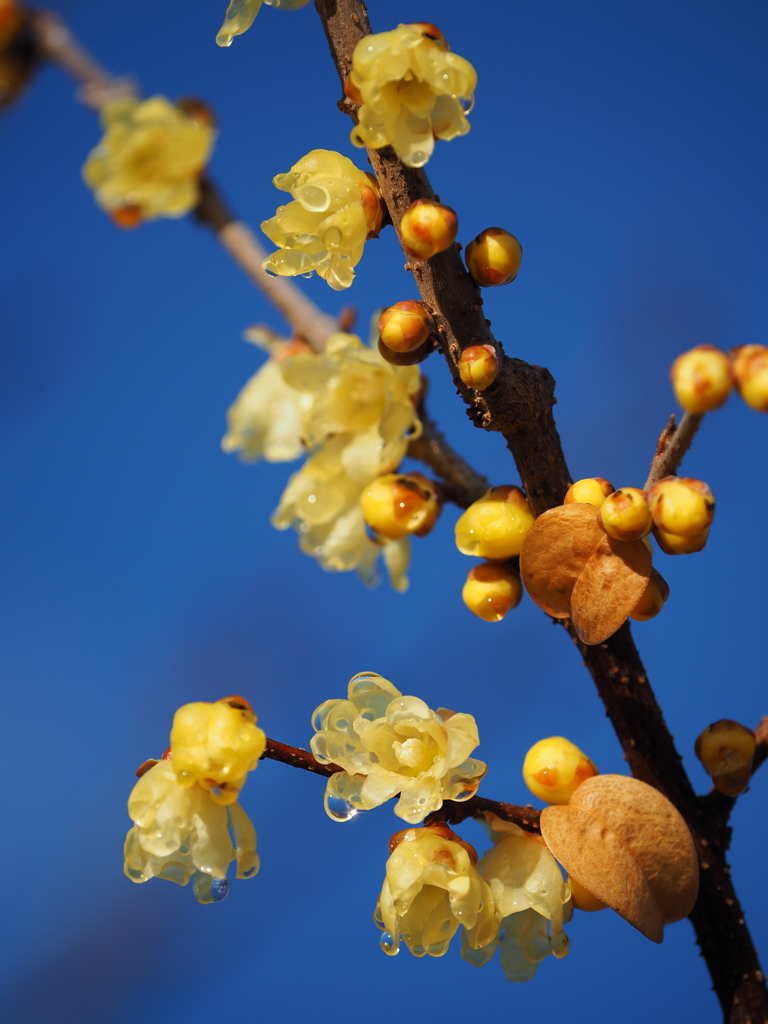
[
  {"x": 627, "y": 845},
  {"x": 571, "y": 567}
]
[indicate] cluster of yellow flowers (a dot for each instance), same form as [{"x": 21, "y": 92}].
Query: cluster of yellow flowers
[
  {"x": 389, "y": 744},
  {"x": 412, "y": 90},
  {"x": 335, "y": 207},
  {"x": 355, "y": 413},
  {"x": 240, "y": 15},
  {"x": 149, "y": 160},
  {"x": 184, "y": 807}
]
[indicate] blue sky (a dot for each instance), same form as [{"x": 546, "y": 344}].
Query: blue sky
[{"x": 625, "y": 146}]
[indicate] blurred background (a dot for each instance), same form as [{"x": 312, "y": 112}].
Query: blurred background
[{"x": 625, "y": 146}]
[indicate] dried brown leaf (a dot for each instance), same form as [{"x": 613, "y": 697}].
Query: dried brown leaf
[
  {"x": 628, "y": 845},
  {"x": 571, "y": 567}
]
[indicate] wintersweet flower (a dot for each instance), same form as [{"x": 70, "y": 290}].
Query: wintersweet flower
[
  {"x": 240, "y": 15},
  {"x": 431, "y": 888},
  {"x": 389, "y": 744},
  {"x": 530, "y": 897},
  {"x": 214, "y": 746},
  {"x": 181, "y": 833},
  {"x": 335, "y": 207},
  {"x": 150, "y": 157},
  {"x": 412, "y": 90},
  {"x": 265, "y": 420}
]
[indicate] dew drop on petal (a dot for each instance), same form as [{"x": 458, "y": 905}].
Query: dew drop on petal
[
  {"x": 340, "y": 810},
  {"x": 219, "y": 889},
  {"x": 387, "y": 943}
]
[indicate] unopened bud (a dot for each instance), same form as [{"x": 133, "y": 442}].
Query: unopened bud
[
  {"x": 750, "y": 368},
  {"x": 478, "y": 366},
  {"x": 493, "y": 257},
  {"x": 427, "y": 228},
  {"x": 405, "y": 326},
  {"x": 727, "y": 750},
  {"x": 624, "y": 515},
  {"x": 674, "y": 544},
  {"x": 682, "y": 505},
  {"x": 554, "y": 769},
  {"x": 432, "y": 32},
  {"x": 495, "y": 525},
  {"x": 592, "y": 490},
  {"x": 373, "y": 207},
  {"x": 582, "y": 899},
  {"x": 702, "y": 378},
  {"x": 653, "y": 600},
  {"x": 491, "y": 591},
  {"x": 418, "y": 355},
  {"x": 397, "y": 505}
]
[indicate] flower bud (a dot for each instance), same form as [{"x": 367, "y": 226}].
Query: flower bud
[
  {"x": 624, "y": 515},
  {"x": 495, "y": 525},
  {"x": 493, "y": 257},
  {"x": 582, "y": 899},
  {"x": 750, "y": 368},
  {"x": 373, "y": 210},
  {"x": 674, "y": 544},
  {"x": 727, "y": 750},
  {"x": 554, "y": 769},
  {"x": 478, "y": 366},
  {"x": 418, "y": 355},
  {"x": 395, "y": 505},
  {"x": 682, "y": 505},
  {"x": 491, "y": 591},
  {"x": 653, "y": 600},
  {"x": 432, "y": 32},
  {"x": 405, "y": 326},
  {"x": 352, "y": 92},
  {"x": 427, "y": 228},
  {"x": 592, "y": 490},
  {"x": 702, "y": 378}
]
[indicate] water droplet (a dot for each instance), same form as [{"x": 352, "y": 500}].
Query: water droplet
[
  {"x": 418, "y": 157},
  {"x": 219, "y": 889},
  {"x": 387, "y": 943},
  {"x": 338, "y": 809},
  {"x": 332, "y": 238}
]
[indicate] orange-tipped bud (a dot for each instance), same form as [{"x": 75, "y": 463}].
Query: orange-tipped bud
[
  {"x": 491, "y": 591},
  {"x": 432, "y": 32},
  {"x": 750, "y": 368},
  {"x": 592, "y": 490},
  {"x": 405, "y": 326},
  {"x": 495, "y": 525},
  {"x": 126, "y": 217},
  {"x": 653, "y": 600},
  {"x": 397, "y": 505},
  {"x": 682, "y": 505},
  {"x": 727, "y": 750},
  {"x": 479, "y": 366},
  {"x": 624, "y": 515},
  {"x": 554, "y": 769},
  {"x": 373, "y": 208},
  {"x": 427, "y": 228},
  {"x": 702, "y": 378},
  {"x": 493, "y": 257}
]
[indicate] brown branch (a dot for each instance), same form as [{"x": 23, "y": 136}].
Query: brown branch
[
  {"x": 519, "y": 405},
  {"x": 674, "y": 442},
  {"x": 296, "y": 757}
]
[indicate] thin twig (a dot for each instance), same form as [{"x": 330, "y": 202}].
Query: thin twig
[{"x": 674, "y": 442}]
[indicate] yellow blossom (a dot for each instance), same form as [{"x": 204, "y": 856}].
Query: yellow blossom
[
  {"x": 148, "y": 162},
  {"x": 240, "y": 15},
  {"x": 265, "y": 421},
  {"x": 431, "y": 888},
  {"x": 412, "y": 91},
  {"x": 181, "y": 833},
  {"x": 214, "y": 746},
  {"x": 530, "y": 897},
  {"x": 358, "y": 416},
  {"x": 389, "y": 744},
  {"x": 334, "y": 208}
]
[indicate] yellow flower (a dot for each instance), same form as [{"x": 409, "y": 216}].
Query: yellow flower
[
  {"x": 181, "y": 833},
  {"x": 266, "y": 419},
  {"x": 149, "y": 159},
  {"x": 214, "y": 746},
  {"x": 412, "y": 91},
  {"x": 358, "y": 416},
  {"x": 240, "y": 15},
  {"x": 530, "y": 897},
  {"x": 334, "y": 208},
  {"x": 431, "y": 888},
  {"x": 389, "y": 744}
]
